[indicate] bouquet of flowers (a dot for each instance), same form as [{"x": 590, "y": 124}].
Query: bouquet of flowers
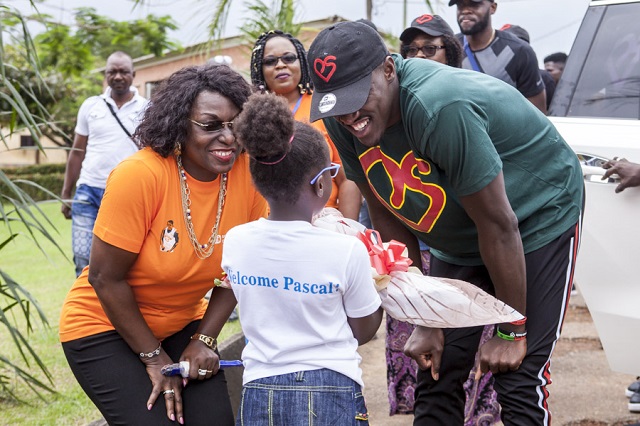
[{"x": 408, "y": 295}]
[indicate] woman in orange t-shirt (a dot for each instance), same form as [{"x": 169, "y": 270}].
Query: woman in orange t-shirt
[
  {"x": 156, "y": 252},
  {"x": 279, "y": 65}
]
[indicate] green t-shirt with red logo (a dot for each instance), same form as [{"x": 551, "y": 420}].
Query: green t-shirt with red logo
[{"x": 459, "y": 129}]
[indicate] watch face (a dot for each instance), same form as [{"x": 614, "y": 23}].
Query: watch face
[{"x": 207, "y": 340}]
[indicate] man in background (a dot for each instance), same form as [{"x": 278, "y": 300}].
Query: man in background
[
  {"x": 498, "y": 53},
  {"x": 554, "y": 64},
  {"x": 549, "y": 82},
  {"x": 102, "y": 139}
]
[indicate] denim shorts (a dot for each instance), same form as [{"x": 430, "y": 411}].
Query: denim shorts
[
  {"x": 311, "y": 398},
  {"x": 84, "y": 211}
]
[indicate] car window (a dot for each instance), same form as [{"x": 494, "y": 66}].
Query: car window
[{"x": 603, "y": 71}]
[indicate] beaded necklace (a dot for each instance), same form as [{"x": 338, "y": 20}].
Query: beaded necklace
[{"x": 203, "y": 251}]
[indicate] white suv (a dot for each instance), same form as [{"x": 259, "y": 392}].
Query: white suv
[{"x": 596, "y": 108}]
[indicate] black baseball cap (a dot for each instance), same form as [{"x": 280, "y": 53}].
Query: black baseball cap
[
  {"x": 432, "y": 25},
  {"x": 368, "y": 22},
  {"x": 342, "y": 58},
  {"x": 517, "y": 31},
  {"x": 452, "y": 2}
]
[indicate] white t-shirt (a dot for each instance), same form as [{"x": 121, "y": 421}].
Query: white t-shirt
[
  {"x": 108, "y": 144},
  {"x": 296, "y": 285}
]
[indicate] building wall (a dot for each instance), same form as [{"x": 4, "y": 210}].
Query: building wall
[
  {"x": 153, "y": 70},
  {"x": 14, "y": 156},
  {"x": 160, "y": 68}
]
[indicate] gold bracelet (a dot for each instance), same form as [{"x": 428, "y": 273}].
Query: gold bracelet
[{"x": 207, "y": 340}]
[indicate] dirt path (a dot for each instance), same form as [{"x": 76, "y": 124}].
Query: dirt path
[{"x": 584, "y": 392}]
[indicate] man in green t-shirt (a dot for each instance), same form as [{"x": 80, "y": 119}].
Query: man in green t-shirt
[{"x": 463, "y": 162}]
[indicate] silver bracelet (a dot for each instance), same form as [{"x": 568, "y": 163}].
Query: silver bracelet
[{"x": 152, "y": 353}]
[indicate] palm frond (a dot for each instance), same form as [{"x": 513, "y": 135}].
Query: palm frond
[{"x": 18, "y": 308}]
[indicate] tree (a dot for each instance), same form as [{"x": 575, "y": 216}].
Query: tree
[
  {"x": 66, "y": 59},
  {"x": 42, "y": 80},
  {"x": 18, "y": 99},
  {"x": 18, "y": 309},
  {"x": 138, "y": 38},
  {"x": 265, "y": 18},
  {"x": 221, "y": 9}
]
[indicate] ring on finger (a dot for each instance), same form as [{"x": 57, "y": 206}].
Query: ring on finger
[
  {"x": 202, "y": 372},
  {"x": 168, "y": 391}
]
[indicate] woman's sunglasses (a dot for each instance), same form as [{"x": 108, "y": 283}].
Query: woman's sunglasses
[
  {"x": 272, "y": 61},
  {"x": 428, "y": 51},
  {"x": 214, "y": 126}
]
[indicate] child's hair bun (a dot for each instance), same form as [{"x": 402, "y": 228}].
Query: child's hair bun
[{"x": 265, "y": 127}]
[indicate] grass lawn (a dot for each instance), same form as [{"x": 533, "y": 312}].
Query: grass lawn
[{"x": 48, "y": 279}]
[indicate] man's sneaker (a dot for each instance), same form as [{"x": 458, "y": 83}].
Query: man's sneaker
[
  {"x": 633, "y": 388},
  {"x": 574, "y": 290},
  {"x": 634, "y": 403}
]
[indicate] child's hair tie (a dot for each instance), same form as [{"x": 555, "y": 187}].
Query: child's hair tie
[{"x": 268, "y": 161}]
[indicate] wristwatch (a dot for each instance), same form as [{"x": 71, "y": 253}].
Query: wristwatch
[{"x": 207, "y": 340}]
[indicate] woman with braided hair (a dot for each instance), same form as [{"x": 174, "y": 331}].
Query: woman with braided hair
[{"x": 279, "y": 65}]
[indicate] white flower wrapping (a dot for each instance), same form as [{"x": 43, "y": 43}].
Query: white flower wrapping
[{"x": 408, "y": 295}]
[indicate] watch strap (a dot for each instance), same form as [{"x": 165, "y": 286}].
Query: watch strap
[{"x": 207, "y": 340}]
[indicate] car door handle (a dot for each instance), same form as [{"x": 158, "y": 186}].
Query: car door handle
[
  {"x": 592, "y": 168},
  {"x": 591, "y": 159},
  {"x": 594, "y": 174}
]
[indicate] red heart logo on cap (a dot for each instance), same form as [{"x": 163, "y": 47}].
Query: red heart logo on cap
[
  {"x": 325, "y": 68},
  {"x": 424, "y": 18}
]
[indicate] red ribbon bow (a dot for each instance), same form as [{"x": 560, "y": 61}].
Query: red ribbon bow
[{"x": 384, "y": 260}]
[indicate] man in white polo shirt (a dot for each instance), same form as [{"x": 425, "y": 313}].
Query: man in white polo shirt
[{"x": 102, "y": 139}]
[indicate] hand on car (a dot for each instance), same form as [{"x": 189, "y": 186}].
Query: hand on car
[{"x": 629, "y": 173}]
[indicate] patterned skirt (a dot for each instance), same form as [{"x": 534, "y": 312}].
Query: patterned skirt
[{"x": 481, "y": 408}]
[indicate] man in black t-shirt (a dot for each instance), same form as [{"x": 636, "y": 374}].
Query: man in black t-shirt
[
  {"x": 549, "y": 81},
  {"x": 498, "y": 53}
]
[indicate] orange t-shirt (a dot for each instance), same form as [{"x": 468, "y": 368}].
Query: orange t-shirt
[
  {"x": 168, "y": 280},
  {"x": 302, "y": 114}
]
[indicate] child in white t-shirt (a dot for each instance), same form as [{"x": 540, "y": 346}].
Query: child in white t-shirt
[{"x": 306, "y": 295}]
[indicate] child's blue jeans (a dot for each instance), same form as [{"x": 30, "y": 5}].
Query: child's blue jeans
[{"x": 316, "y": 397}]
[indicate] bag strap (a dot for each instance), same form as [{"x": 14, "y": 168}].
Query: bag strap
[
  {"x": 470, "y": 55},
  {"x": 117, "y": 119}
]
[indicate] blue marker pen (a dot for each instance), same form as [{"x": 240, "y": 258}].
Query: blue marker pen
[
  {"x": 179, "y": 368},
  {"x": 182, "y": 368}
]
